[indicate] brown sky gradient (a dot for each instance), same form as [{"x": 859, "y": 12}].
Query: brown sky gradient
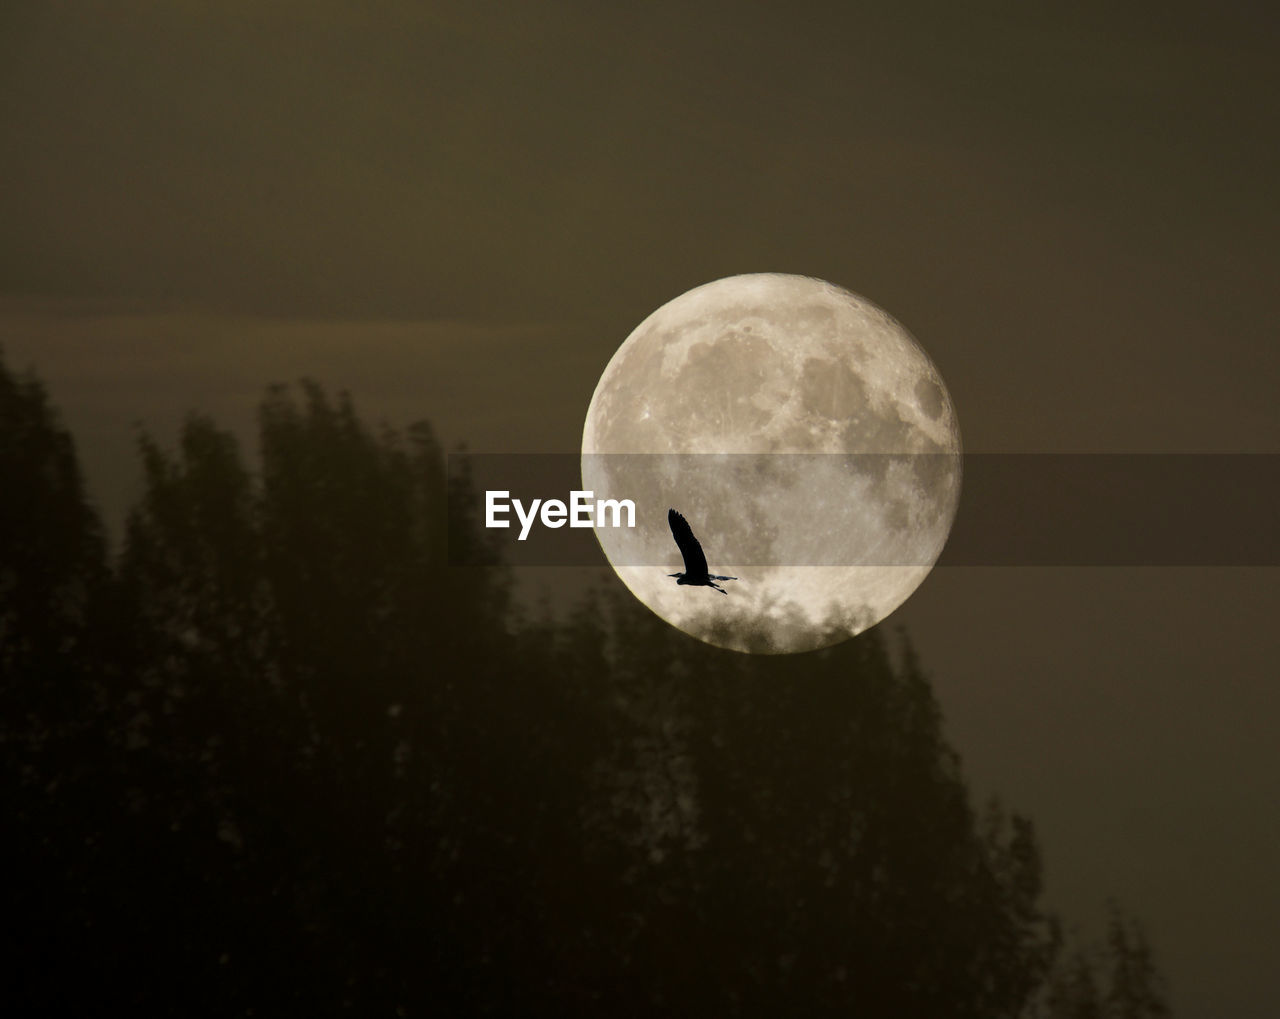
[{"x": 459, "y": 211}]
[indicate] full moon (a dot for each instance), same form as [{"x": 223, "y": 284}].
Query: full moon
[{"x": 807, "y": 438}]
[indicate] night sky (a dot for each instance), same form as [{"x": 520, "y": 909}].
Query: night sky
[{"x": 459, "y": 211}]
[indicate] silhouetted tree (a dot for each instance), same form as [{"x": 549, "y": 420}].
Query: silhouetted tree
[
  {"x": 53, "y": 580},
  {"x": 286, "y": 757},
  {"x": 1136, "y": 991},
  {"x": 1115, "y": 978},
  {"x": 801, "y": 820},
  {"x": 51, "y": 549},
  {"x": 1072, "y": 992}
]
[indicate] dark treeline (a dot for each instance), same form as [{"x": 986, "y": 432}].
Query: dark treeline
[{"x": 277, "y": 757}]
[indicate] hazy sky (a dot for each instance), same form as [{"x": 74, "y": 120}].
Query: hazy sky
[{"x": 460, "y": 210}]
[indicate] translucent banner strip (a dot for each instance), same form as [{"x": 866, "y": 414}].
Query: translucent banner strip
[{"x": 782, "y": 509}]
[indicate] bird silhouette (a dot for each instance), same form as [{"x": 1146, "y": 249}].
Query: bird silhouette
[{"x": 695, "y": 563}]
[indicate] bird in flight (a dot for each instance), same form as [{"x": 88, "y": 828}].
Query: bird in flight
[{"x": 695, "y": 563}]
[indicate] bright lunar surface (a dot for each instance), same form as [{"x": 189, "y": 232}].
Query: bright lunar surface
[{"x": 808, "y": 439}]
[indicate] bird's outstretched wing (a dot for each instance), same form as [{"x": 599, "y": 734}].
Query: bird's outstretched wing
[{"x": 695, "y": 563}]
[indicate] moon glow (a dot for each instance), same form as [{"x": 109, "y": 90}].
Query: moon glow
[{"x": 810, "y": 442}]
